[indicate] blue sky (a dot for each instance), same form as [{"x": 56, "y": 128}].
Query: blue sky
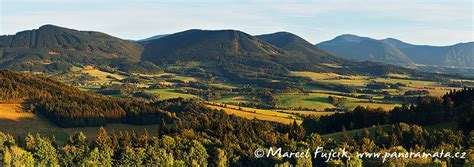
[{"x": 435, "y": 22}]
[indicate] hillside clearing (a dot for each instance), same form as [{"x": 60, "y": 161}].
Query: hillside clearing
[{"x": 265, "y": 115}]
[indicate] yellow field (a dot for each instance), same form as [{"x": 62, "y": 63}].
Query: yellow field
[
  {"x": 398, "y": 75},
  {"x": 350, "y": 80},
  {"x": 101, "y": 74},
  {"x": 316, "y": 101},
  {"x": 14, "y": 120},
  {"x": 352, "y": 105},
  {"x": 221, "y": 85},
  {"x": 408, "y": 82},
  {"x": 233, "y": 99},
  {"x": 359, "y": 81},
  {"x": 169, "y": 93},
  {"x": 251, "y": 113},
  {"x": 178, "y": 77},
  {"x": 435, "y": 88},
  {"x": 314, "y": 75},
  {"x": 313, "y": 113},
  {"x": 331, "y": 65}
]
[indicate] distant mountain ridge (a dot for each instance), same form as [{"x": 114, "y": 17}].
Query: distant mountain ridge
[
  {"x": 394, "y": 51},
  {"x": 461, "y": 54},
  {"x": 153, "y": 38}
]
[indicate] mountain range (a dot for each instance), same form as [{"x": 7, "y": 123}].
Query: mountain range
[
  {"x": 228, "y": 54},
  {"x": 152, "y": 38},
  {"x": 394, "y": 51},
  {"x": 239, "y": 56}
]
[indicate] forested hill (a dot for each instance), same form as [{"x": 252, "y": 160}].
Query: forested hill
[
  {"x": 53, "y": 48},
  {"x": 221, "y": 46},
  {"x": 296, "y": 45},
  {"x": 58, "y": 39},
  {"x": 276, "y": 53},
  {"x": 70, "y": 107}
]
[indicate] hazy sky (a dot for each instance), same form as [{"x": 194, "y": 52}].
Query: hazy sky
[{"x": 436, "y": 22}]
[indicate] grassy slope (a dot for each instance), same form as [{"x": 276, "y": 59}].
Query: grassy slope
[
  {"x": 233, "y": 99},
  {"x": 314, "y": 101},
  {"x": 15, "y": 121},
  {"x": 251, "y": 113},
  {"x": 169, "y": 93}
]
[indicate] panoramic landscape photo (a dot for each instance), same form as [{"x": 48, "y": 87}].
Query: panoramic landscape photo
[{"x": 236, "y": 83}]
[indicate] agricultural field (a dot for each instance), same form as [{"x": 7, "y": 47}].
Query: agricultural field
[
  {"x": 398, "y": 75},
  {"x": 312, "y": 101},
  {"x": 16, "y": 121},
  {"x": 317, "y": 99},
  {"x": 281, "y": 116},
  {"x": 306, "y": 113},
  {"x": 222, "y": 85},
  {"x": 435, "y": 88},
  {"x": 233, "y": 99},
  {"x": 350, "y": 80},
  {"x": 289, "y": 106},
  {"x": 169, "y": 93},
  {"x": 352, "y": 105},
  {"x": 102, "y": 75},
  {"x": 251, "y": 113}
]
